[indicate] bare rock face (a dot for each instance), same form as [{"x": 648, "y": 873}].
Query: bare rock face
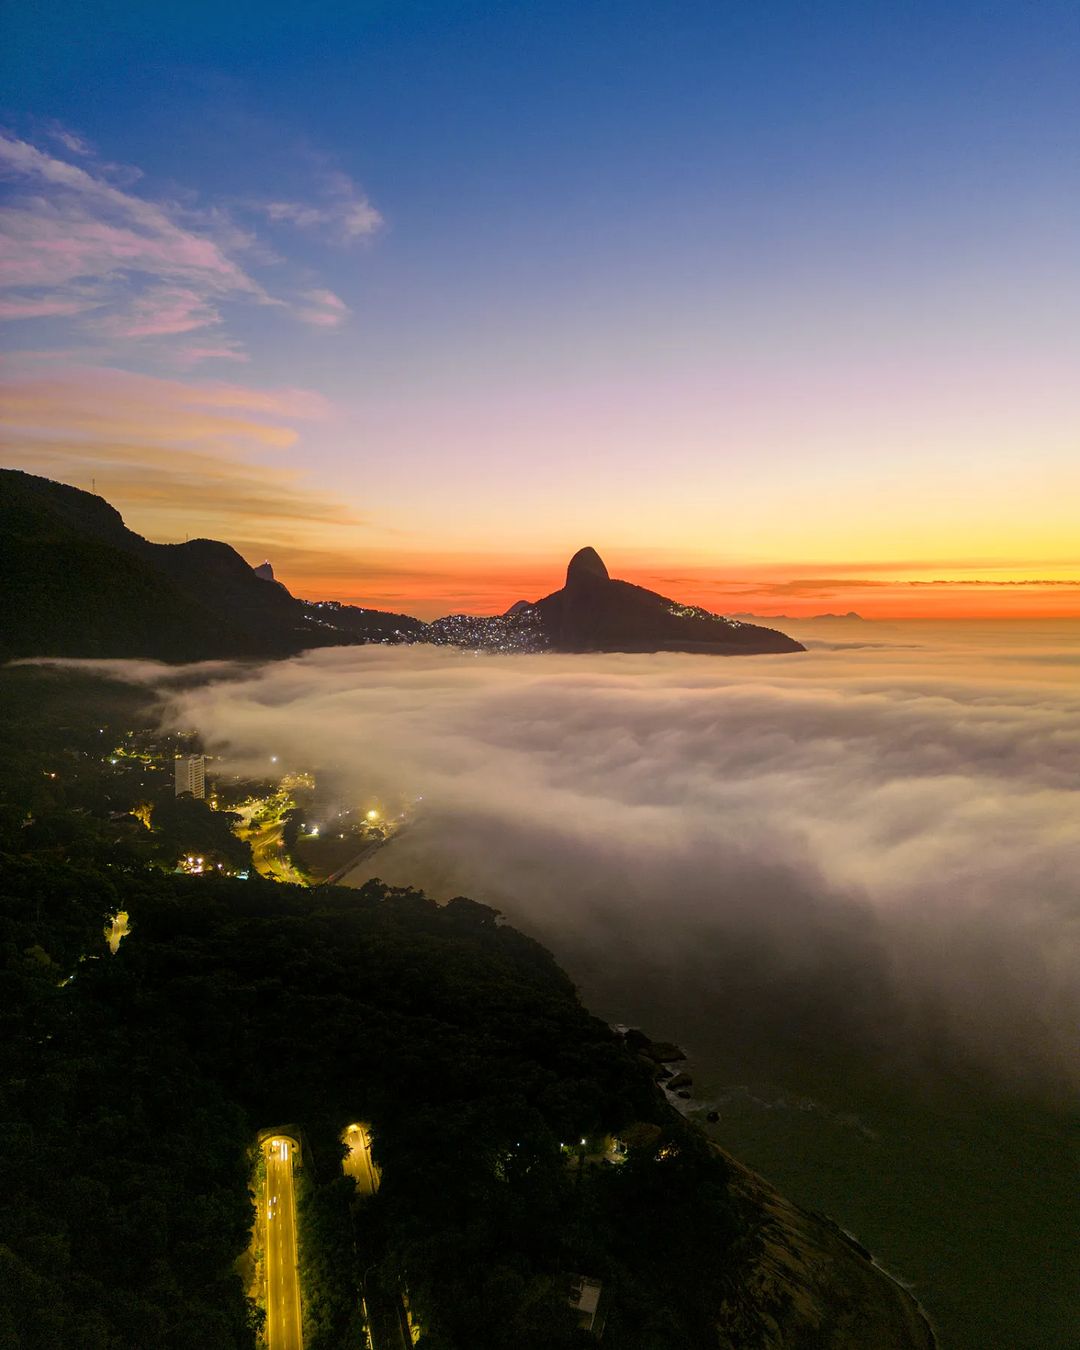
[{"x": 586, "y": 562}]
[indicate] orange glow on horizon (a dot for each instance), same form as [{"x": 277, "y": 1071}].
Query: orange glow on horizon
[{"x": 433, "y": 586}]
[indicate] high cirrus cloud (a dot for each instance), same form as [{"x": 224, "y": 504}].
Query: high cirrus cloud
[
  {"x": 323, "y": 309},
  {"x": 74, "y": 224},
  {"x": 344, "y": 212},
  {"x": 75, "y": 244},
  {"x": 872, "y": 851}
]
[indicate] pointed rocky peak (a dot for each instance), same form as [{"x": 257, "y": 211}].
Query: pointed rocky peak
[{"x": 586, "y": 562}]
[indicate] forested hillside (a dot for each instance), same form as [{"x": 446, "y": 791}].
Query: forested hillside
[{"x": 136, "y": 1082}]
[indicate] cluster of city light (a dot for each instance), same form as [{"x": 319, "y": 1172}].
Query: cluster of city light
[
  {"x": 394, "y": 638},
  {"x": 196, "y": 867},
  {"x": 520, "y": 632},
  {"x": 696, "y": 612}
]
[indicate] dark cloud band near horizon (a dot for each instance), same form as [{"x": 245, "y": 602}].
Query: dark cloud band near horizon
[{"x": 870, "y": 849}]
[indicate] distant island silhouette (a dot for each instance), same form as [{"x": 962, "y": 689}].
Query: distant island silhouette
[{"x": 804, "y": 618}]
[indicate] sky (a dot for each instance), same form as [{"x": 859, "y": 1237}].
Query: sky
[{"x": 775, "y": 305}]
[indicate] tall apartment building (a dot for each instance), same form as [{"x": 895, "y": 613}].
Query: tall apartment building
[{"x": 191, "y": 775}]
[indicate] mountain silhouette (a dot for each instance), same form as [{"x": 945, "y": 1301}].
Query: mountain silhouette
[
  {"x": 594, "y": 612},
  {"x": 76, "y": 582}
]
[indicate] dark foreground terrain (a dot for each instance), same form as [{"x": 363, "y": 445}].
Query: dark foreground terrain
[{"x": 135, "y": 1084}]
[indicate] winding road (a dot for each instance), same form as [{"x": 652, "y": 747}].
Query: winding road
[{"x": 265, "y": 832}]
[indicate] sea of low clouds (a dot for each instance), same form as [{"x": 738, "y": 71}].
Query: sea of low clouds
[{"x": 873, "y": 847}]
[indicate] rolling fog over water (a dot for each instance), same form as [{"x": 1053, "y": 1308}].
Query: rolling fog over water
[
  {"x": 846, "y": 881},
  {"x": 875, "y": 844}
]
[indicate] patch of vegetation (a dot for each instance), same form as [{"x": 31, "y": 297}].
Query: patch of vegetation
[
  {"x": 329, "y": 1276},
  {"x": 78, "y": 784}
]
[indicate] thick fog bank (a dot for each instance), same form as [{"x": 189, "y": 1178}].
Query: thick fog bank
[{"x": 871, "y": 848}]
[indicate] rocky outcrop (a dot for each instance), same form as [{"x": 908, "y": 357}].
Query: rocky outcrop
[
  {"x": 806, "y": 1283},
  {"x": 660, "y": 1052},
  {"x": 586, "y": 563},
  {"x": 595, "y": 612}
]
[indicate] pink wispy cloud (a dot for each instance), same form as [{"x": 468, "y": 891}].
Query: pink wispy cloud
[
  {"x": 91, "y": 228},
  {"x": 322, "y": 309},
  {"x": 195, "y": 353},
  {"x": 344, "y": 211},
  {"x": 160, "y": 312},
  {"x": 44, "y": 307},
  {"x": 74, "y": 244}
]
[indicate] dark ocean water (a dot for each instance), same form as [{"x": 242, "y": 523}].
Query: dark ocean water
[{"x": 966, "y": 1192}]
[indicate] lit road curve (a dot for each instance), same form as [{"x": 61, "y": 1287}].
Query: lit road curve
[
  {"x": 358, "y": 1163},
  {"x": 283, "y": 1330},
  {"x": 269, "y": 856},
  {"x": 267, "y": 845}
]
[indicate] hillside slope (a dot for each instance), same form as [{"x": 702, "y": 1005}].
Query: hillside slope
[
  {"x": 75, "y": 581},
  {"x": 811, "y": 1285}
]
